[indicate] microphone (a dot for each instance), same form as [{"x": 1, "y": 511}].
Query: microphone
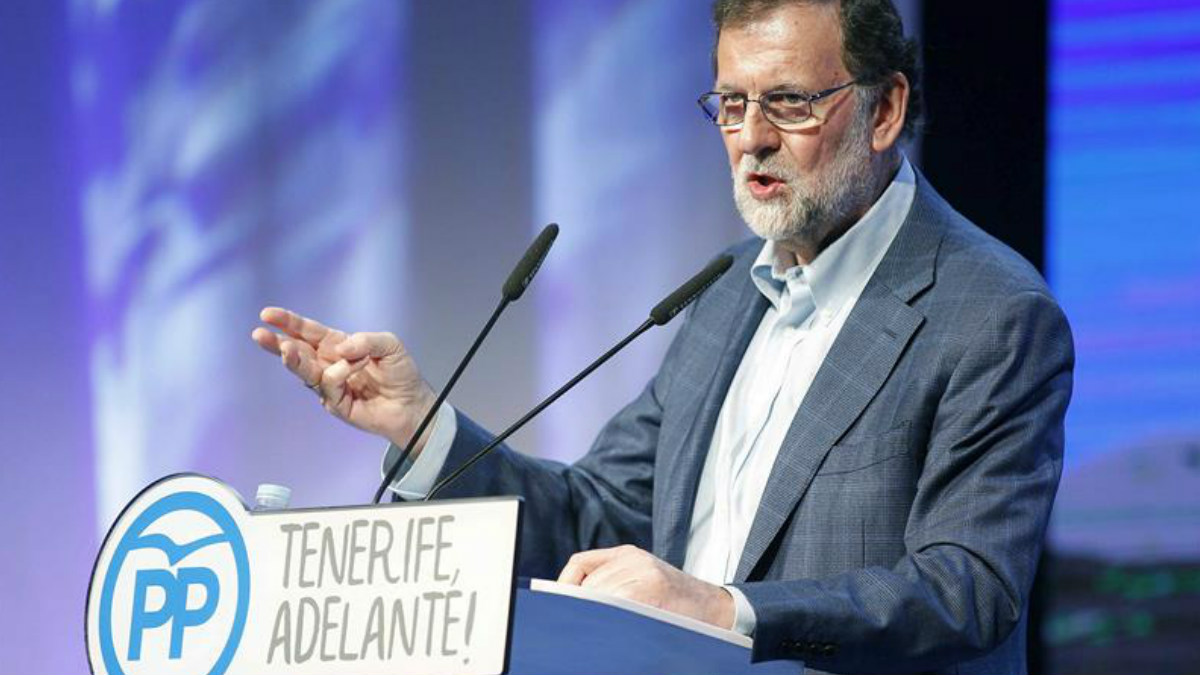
[
  {"x": 662, "y": 313},
  {"x": 514, "y": 287}
]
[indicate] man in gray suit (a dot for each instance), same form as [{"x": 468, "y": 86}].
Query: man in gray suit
[{"x": 852, "y": 446}]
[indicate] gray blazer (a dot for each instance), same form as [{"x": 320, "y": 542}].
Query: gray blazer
[{"x": 902, "y": 522}]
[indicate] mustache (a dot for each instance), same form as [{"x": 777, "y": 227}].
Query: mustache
[{"x": 772, "y": 165}]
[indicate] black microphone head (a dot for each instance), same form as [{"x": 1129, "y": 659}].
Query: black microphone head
[
  {"x": 691, "y": 289},
  {"x": 518, "y": 280}
]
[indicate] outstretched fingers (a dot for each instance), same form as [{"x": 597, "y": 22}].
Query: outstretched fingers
[
  {"x": 295, "y": 325},
  {"x": 297, "y": 356},
  {"x": 266, "y": 339}
]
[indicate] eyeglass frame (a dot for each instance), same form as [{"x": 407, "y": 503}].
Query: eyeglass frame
[{"x": 809, "y": 98}]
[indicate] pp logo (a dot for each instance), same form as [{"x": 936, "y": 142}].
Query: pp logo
[{"x": 178, "y": 585}]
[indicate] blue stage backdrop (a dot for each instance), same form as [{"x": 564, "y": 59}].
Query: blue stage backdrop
[
  {"x": 230, "y": 155},
  {"x": 1124, "y": 259}
]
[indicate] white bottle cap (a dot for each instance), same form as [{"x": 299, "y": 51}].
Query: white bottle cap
[{"x": 271, "y": 496}]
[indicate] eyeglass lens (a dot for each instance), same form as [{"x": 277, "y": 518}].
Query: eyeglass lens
[{"x": 779, "y": 107}]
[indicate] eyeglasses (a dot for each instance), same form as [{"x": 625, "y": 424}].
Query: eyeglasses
[{"x": 785, "y": 109}]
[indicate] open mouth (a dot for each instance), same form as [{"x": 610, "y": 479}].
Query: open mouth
[{"x": 764, "y": 184}]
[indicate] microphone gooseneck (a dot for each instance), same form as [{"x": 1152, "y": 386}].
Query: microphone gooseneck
[
  {"x": 518, "y": 280},
  {"x": 662, "y": 313}
]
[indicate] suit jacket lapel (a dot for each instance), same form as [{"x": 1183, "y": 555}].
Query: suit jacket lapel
[
  {"x": 859, "y": 362},
  {"x": 677, "y": 495}
]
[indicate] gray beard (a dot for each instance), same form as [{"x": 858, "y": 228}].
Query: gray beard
[{"x": 810, "y": 207}]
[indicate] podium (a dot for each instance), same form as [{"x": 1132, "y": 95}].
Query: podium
[
  {"x": 189, "y": 580},
  {"x": 556, "y": 634}
]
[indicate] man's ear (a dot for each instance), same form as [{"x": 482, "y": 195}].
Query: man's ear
[{"x": 891, "y": 114}]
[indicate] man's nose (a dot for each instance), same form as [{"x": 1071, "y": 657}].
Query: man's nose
[{"x": 757, "y": 134}]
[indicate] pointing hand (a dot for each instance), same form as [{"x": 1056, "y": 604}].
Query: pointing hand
[{"x": 365, "y": 379}]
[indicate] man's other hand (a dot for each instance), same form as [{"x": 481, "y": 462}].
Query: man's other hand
[
  {"x": 629, "y": 572},
  {"x": 366, "y": 379}
]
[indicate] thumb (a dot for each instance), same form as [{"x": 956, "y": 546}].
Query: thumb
[
  {"x": 373, "y": 345},
  {"x": 580, "y": 565}
]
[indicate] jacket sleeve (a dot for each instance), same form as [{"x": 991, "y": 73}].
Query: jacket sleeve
[
  {"x": 602, "y": 500},
  {"x": 976, "y": 526}
]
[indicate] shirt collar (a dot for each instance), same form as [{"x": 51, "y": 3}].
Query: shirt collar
[{"x": 841, "y": 271}]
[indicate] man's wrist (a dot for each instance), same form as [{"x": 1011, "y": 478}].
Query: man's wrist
[
  {"x": 724, "y": 612},
  {"x": 417, "y": 475},
  {"x": 744, "y": 619},
  {"x": 401, "y": 437}
]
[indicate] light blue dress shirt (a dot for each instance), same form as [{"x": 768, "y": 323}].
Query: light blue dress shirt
[{"x": 808, "y": 306}]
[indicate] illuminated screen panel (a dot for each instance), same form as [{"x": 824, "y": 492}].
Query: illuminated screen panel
[{"x": 1124, "y": 259}]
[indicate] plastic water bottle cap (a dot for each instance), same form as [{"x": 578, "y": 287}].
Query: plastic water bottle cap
[{"x": 273, "y": 496}]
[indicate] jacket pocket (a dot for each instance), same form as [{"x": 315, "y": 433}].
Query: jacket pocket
[{"x": 865, "y": 453}]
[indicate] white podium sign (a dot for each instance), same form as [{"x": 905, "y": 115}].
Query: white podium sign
[{"x": 189, "y": 582}]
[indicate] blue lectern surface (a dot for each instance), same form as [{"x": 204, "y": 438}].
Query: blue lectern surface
[{"x": 560, "y": 635}]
